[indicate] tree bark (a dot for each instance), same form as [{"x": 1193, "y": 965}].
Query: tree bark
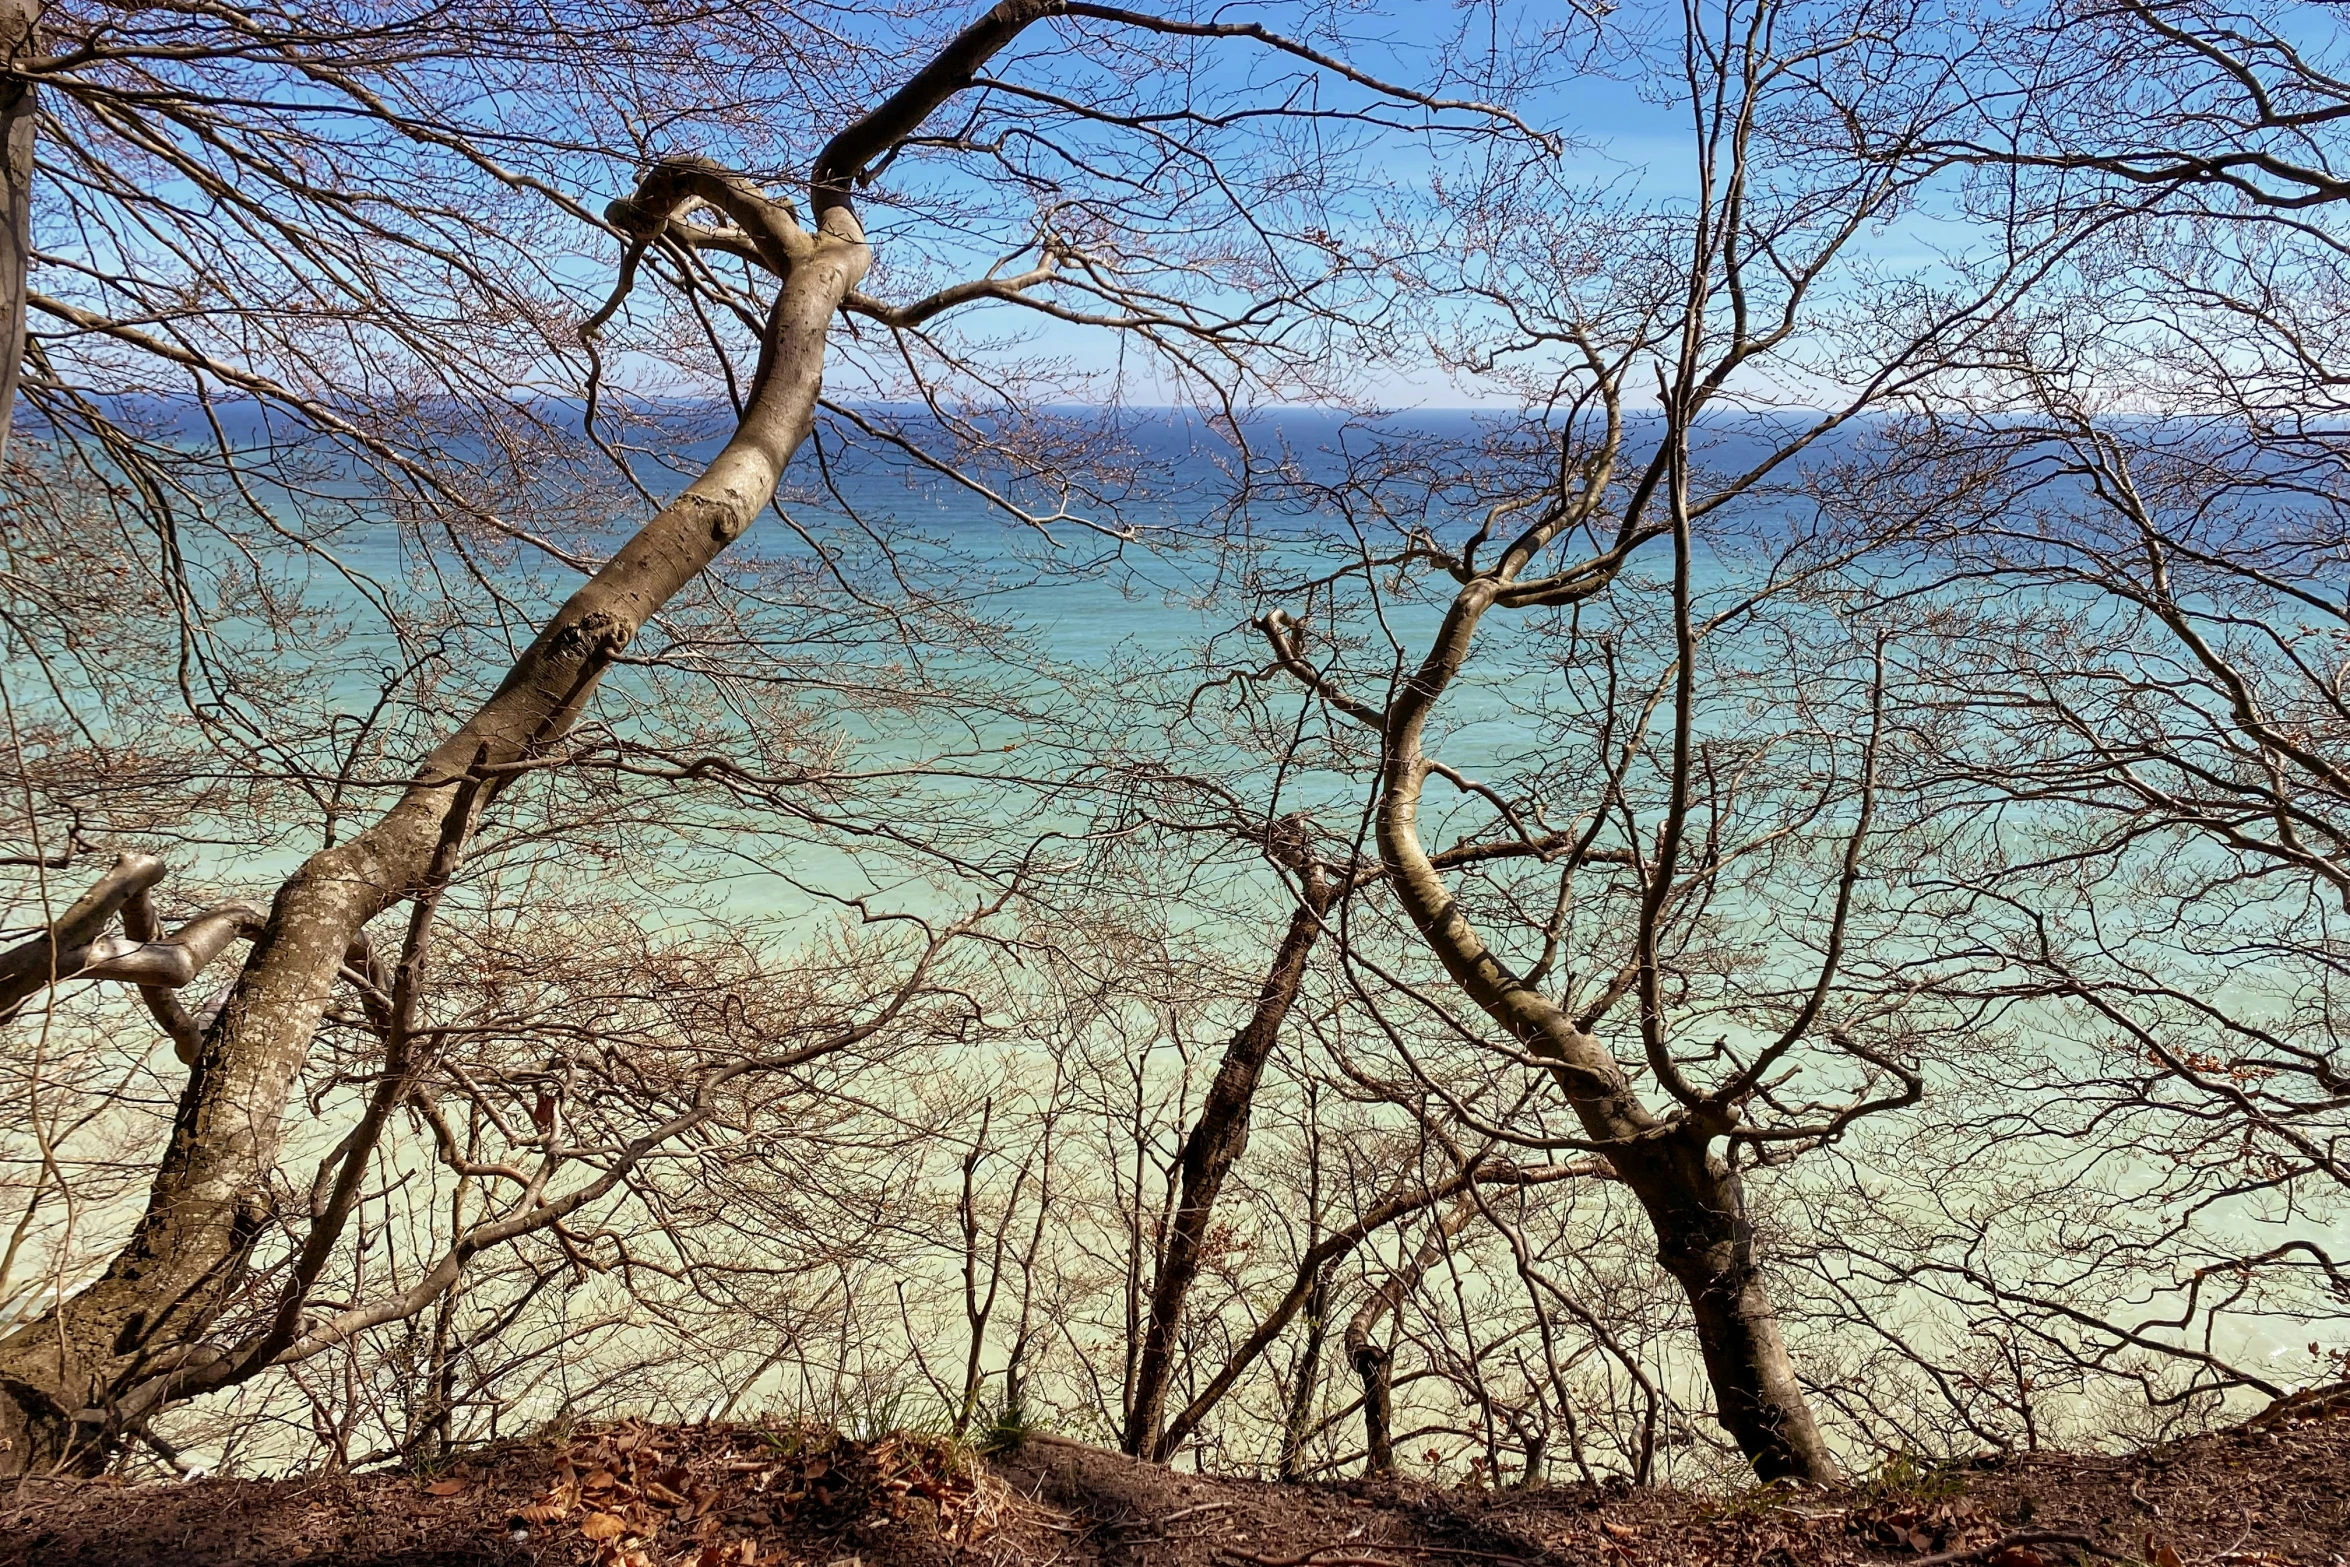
[
  {"x": 77, "y": 1377},
  {"x": 1217, "y": 1140},
  {"x": 1374, "y": 1363},
  {"x": 1324, "y": 1255},
  {"x": 19, "y": 37},
  {"x": 1299, "y": 1420},
  {"x": 1692, "y": 1199}
]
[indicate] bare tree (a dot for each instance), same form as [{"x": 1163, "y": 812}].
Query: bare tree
[
  {"x": 1819, "y": 824},
  {"x": 2228, "y": 106},
  {"x": 2136, "y": 611},
  {"x": 142, "y": 1334},
  {"x": 1219, "y": 1135},
  {"x": 1727, "y": 287}
]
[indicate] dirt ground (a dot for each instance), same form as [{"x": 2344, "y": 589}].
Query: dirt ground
[{"x": 2271, "y": 1493}]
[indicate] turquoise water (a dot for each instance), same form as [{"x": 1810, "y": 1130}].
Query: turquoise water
[
  {"x": 1089, "y": 646},
  {"x": 1099, "y": 637}
]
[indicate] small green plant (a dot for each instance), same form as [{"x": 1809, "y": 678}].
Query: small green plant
[
  {"x": 1754, "y": 1501},
  {"x": 873, "y": 1414},
  {"x": 1907, "y": 1477},
  {"x": 1007, "y": 1428}
]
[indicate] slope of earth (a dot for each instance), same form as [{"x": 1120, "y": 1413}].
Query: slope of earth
[{"x": 2275, "y": 1493}]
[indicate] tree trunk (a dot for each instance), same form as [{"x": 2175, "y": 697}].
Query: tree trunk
[
  {"x": 1536, "y": 1445},
  {"x": 1375, "y": 1367},
  {"x": 1295, "y": 1427},
  {"x": 73, "y": 1379},
  {"x": 19, "y": 37},
  {"x": 1216, "y": 1142},
  {"x": 1691, "y": 1198},
  {"x": 1706, "y": 1242},
  {"x": 1373, "y": 1362}
]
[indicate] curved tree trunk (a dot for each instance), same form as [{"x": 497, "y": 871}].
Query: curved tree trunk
[
  {"x": 102, "y": 1361},
  {"x": 1691, "y": 1197},
  {"x": 74, "y": 1380},
  {"x": 1706, "y": 1242},
  {"x": 1217, "y": 1140}
]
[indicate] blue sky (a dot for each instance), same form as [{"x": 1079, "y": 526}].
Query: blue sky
[{"x": 1629, "y": 133}]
